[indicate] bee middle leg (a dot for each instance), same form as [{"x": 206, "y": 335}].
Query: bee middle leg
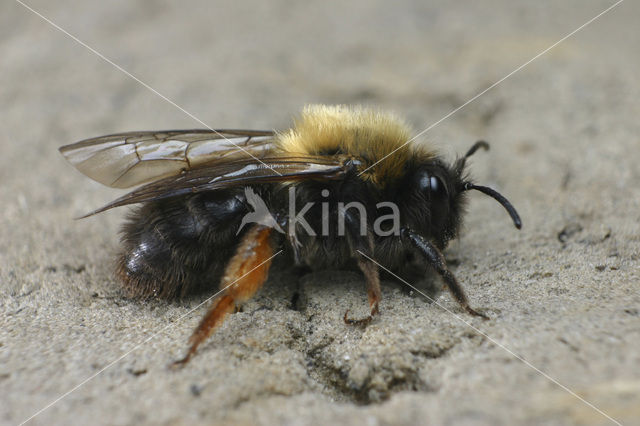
[
  {"x": 363, "y": 244},
  {"x": 244, "y": 275}
]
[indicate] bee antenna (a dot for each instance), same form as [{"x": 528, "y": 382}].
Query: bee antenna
[
  {"x": 480, "y": 144},
  {"x": 476, "y": 146},
  {"x": 496, "y": 196}
]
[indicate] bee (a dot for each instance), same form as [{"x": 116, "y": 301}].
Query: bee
[{"x": 215, "y": 206}]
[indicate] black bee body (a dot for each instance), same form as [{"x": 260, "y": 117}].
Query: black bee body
[
  {"x": 343, "y": 188},
  {"x": 179, "y": 246}
]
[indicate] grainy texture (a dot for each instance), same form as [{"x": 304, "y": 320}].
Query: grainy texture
[{"x": 562, "y": 293}]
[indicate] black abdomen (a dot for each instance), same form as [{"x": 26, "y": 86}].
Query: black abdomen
[{"x": 180, "y": 246}]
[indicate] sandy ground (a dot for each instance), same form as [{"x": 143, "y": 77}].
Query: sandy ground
[{"x": 562, "y": 293}]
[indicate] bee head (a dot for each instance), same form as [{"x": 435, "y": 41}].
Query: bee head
[{"x": 436, "y": 200}]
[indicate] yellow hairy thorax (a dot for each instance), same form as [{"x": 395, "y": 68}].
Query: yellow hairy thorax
[{"x": 368, "y": 134}]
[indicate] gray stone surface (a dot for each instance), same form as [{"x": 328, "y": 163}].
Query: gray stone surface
[{"x": 562, "y": 293}]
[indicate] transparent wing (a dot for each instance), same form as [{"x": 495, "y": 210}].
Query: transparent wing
[
  {"x": 124, "y": 160},
  {"x": 239, "y": 172}
]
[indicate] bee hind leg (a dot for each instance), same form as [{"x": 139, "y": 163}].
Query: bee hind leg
[{"x": 244, "y": 275}]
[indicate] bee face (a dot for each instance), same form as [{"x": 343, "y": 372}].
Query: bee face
[
  {"x": 432, "y": 198},
  {"x": 191, "y": 230}
]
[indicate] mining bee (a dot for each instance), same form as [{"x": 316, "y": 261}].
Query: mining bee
[{"x": 215, "y": 205}]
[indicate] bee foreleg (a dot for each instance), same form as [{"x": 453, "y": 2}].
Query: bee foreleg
[
  {"x": 363, "y": 244},
  {"x": 244, "y": 275},
  {"x": 436, "y": 260}
]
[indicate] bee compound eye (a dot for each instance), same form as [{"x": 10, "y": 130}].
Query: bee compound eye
[
  {"x": 438, "y": 190},
  {"x": 434, "y": 185}
]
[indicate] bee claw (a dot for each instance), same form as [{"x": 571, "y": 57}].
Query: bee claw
[
  {"x": 180, "y": 363},
  {"x": 361, "y": 322},
  {"x": 476, "y": 313}
]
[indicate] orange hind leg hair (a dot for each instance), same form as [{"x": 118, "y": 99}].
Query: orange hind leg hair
[{"x": 245, "y": 274}]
